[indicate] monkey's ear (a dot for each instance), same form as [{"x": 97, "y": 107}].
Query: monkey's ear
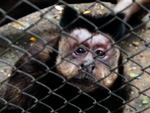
[{"x": 68, "y": 15}]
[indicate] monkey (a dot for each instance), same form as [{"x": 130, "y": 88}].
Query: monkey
[{"x": 80, "y": 71}]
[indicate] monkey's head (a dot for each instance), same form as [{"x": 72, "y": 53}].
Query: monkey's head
[{"x": 88, "y": 55}]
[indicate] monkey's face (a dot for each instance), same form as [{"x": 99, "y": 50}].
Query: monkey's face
[{"x": 88, "y": 59}]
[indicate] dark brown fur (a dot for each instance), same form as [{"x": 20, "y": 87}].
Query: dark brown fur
[{"x": 35, "y": 69}]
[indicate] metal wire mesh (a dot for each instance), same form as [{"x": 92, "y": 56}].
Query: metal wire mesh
[{"x": 41, "y": 30}]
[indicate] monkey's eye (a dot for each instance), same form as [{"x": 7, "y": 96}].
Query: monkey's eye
[
  {"x": 80, "y": 50},
  {"x": 100, "y": 53}
]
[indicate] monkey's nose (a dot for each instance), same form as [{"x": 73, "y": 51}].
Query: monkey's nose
[
  {"x": 91, "y": 68},
  {"x": 88, "y": 67}
]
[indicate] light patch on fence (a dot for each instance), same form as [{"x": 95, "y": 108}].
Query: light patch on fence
[{"x": 59, "y": 8}]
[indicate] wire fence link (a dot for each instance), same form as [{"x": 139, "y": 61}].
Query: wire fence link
[{"x": 47, "y": 66}]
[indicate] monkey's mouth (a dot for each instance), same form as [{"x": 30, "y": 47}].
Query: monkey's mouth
[{"x": 83, "y": 80}]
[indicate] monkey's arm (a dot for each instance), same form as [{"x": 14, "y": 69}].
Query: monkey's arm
[
  {"x": 129, "y": 8},
  {"x": 23, "y": 81}
]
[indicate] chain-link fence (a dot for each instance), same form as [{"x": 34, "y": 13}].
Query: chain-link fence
[{"x": 90, "y": 58}]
